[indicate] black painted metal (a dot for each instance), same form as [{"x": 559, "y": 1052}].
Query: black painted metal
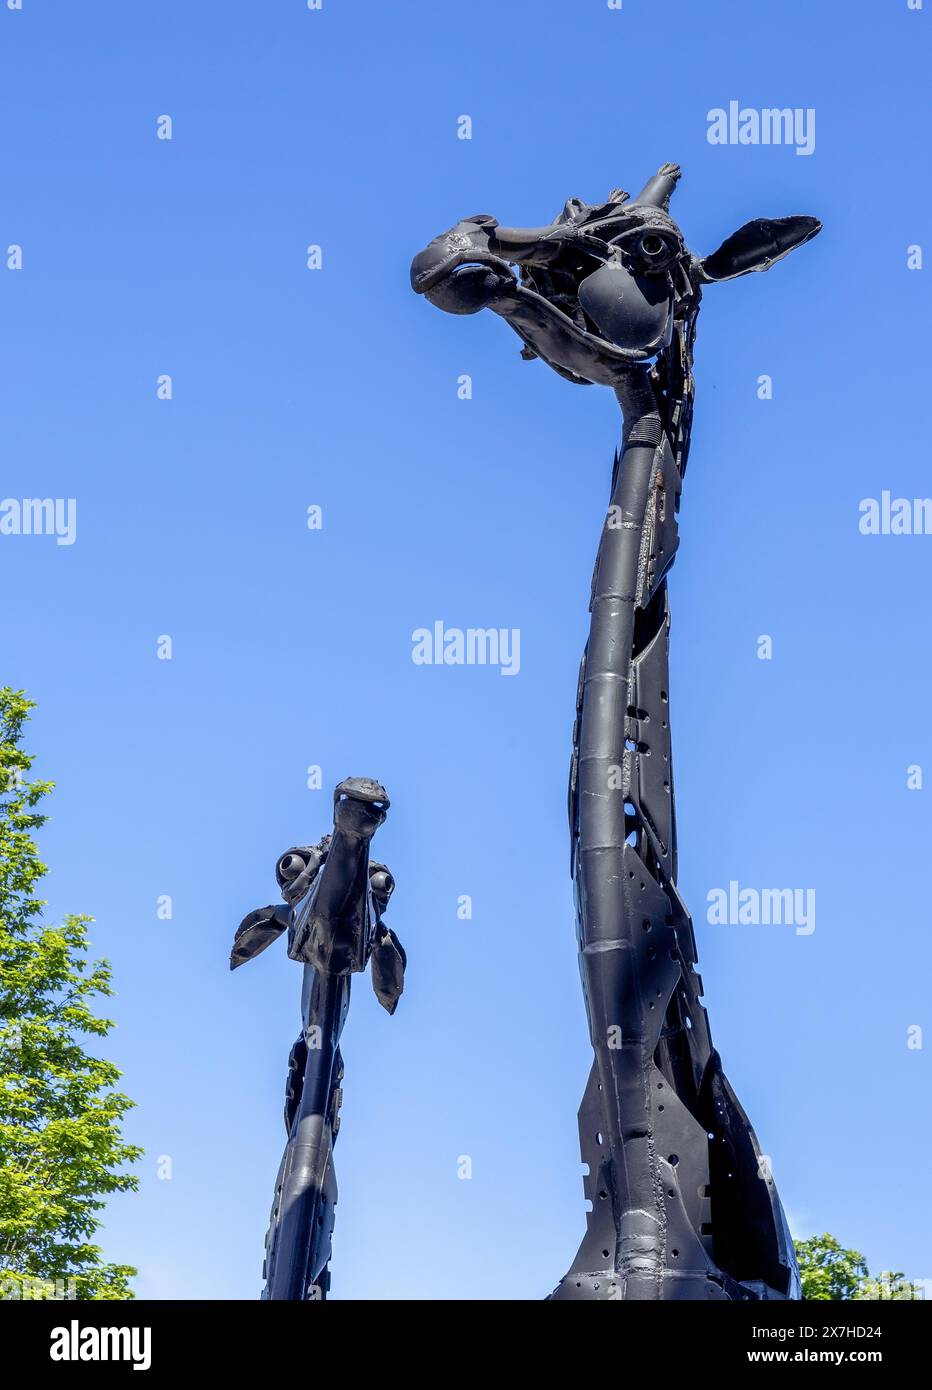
[
  {"x": 334, "y": 901},
  {"x": 683, "y": 1205}
]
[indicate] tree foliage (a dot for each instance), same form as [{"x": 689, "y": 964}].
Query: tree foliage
[
  {"x": 887, "y": 1284},
  {"x": 61, "y": 1147},
  {"x": 829, "y": 1271}
]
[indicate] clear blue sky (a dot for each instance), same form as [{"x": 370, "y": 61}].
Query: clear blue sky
[{"x": 338, "y": 387}]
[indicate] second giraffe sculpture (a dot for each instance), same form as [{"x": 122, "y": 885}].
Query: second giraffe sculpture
[
  {"x": 335, "y": 898},
  {"x": 683, "y": 1203}
]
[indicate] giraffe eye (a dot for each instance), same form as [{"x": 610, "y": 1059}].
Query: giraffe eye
[
  {"x": 654, "y": 250},
  {"x": 651, "y": 249},
  {"x": 383, "y": 884}
]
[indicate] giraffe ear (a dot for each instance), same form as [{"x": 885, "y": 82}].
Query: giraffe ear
[
  {"x": 756, "y": 246},
  {"x": 258, "y": 930},
  {"x": 388, "y": 970}
]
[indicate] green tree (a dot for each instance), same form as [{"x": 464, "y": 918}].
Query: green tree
[
  {"x": 828, "y": 1270},
  {"x": 887, "y": 1284},
  {"x": 61, "y": 1148}
]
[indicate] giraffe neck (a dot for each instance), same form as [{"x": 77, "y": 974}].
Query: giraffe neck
[
  {"x": 627, "y": 643},
  {"x": 660, "y": 1128},
  {"x": 631, "y": 953}
]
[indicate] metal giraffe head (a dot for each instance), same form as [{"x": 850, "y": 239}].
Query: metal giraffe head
[
  {"x": 352, "y": 915},
  {"x": 602, "y": 288}
]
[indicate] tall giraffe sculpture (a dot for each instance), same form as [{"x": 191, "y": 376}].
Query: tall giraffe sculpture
[{"x": 683, "y": 1205}]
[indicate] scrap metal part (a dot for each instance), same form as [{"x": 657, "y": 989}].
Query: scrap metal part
[{"x": 683, "y": 1204}]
